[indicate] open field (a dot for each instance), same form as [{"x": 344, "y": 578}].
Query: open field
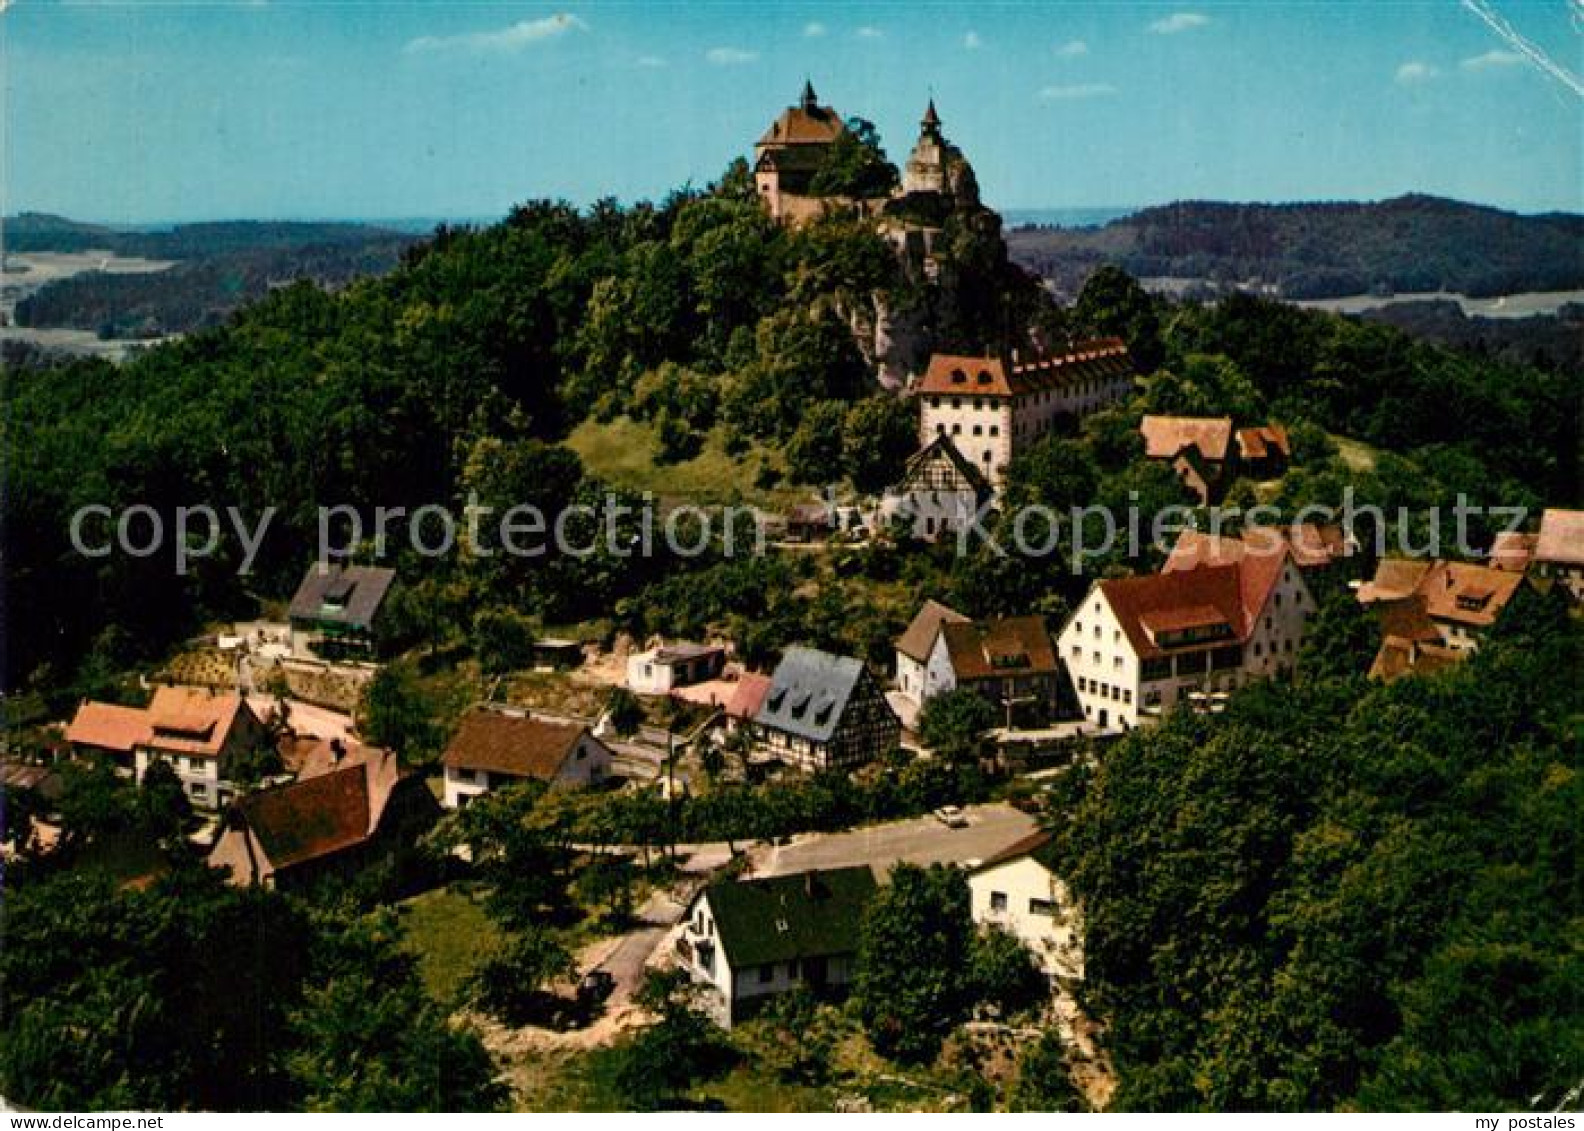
[{"x": 625, "y": 453}]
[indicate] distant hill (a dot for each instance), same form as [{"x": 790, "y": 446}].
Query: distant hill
[
  {"x": 218, "y": 267},
  {"x": 40, "y": 231},
  {"x": 1321, "y": 250}
]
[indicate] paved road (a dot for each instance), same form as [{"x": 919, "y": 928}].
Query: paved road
[{"x": 923, "y": 840}]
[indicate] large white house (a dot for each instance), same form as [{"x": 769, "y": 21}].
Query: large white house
[
  {"x": 1012, "y": 890},
  {"x": 1136, "y": 646},
  {"x": 991, "y": 408},
  {"x": 749, "y": 940},
  {"x": 494, "y": 747}
]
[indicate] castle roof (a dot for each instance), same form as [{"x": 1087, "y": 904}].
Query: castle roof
[{"x": 956, "y": 374}]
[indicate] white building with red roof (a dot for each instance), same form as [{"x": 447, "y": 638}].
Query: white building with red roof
[
  {"x": 1137, "y": 646},
  {"x": 991, "y": 408}
]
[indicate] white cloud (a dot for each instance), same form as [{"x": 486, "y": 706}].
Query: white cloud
[
  {"x": 972, "y": 41},
  {"x": 508, "y": 39},
  {"x": 1076, "y": 91},
  {"x": 1491, "y": 60},
  {"x": 1072, "y": 49},
  {"x": 730, "y": 56},
  {"x": 813, "y": 29},
  {"x": 867, "y": 32},
  {"x": 1178, "y": 22},
  {"x": 1413, "y": 72},
  {"x": 650, "y": 61}
]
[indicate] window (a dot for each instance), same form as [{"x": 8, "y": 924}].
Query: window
[
  {"x": 978, "y": 430},
  {"x": 998, "y": 901},
  {"x": 1042, "y": 907},
  {"x": 766, "y": 974},
  {"x": 995, "y": 429}
]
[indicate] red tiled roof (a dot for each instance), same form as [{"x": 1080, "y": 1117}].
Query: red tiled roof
[
  {"x": 1561, "y": 537},
  {"x": 107, "y": 726},
  {"x": 515, "y": 745},
  {"x": 1469, "y": 594},
  {"x": 1395, "y": 579},
  {"x": 919, "y": 638},
  {"x": 958, "y": 374},
  {"x": 749, "y": 696},
  {"x": 1165, "y": 436},
  {"x": 798, "y": 125},
  {"x": 1202, "y": 595},
  {"x": 1009, "y": 646},
  {"x": 190, "y": 720},
  {"x": 1263, "y": 441},
  {"x": 1512, "y": 551}
]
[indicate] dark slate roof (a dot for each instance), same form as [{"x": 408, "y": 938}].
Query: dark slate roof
[
  {"x": 809, "y": 693},
  {"x": 803, "y": 915},
  {"x": 354, "y": 593}
]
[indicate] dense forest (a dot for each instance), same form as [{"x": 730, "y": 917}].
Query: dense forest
[{"x": 1322, "y": 250}]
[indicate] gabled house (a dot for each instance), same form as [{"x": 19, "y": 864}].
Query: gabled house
[
  {"x": 335, "y": 613},
  {"x": 493, "y": 747},
  {"x": 1010, "y": 662},
  {"x": 1559, "y": 550},
  {"x": 108, "y": 730},
  {"x": 351, "y": 806},
  {"x": 1263, "y": 451},
  {"x": 1433, "y": 612},
  {"x": 749, "y": 940},
  {"x": 825, "y": 712},
  {"x": 922, "y": 670},
  {"x": 1015, "y": 891},
  {"x": 1198, "y": 448},
  {"x": 939, "y": 494},
  {"x": 201, "y": 734},
  {"x": 1135, "y": 646}
]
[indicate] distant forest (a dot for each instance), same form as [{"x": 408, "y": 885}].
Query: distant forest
[
  {"x": 219, "y": 266},
  {"x": 1321, "y": 250}
]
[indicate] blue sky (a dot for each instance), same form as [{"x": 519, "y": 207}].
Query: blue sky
[{"x": 140, "y": 113}]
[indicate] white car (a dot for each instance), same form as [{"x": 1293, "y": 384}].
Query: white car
[{"x": 952, "y": 817}]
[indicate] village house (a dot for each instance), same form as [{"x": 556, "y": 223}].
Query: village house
[
  {"x": 1015, "y": 891},
  {"x": 1198, "y": 449},
  {"x": 1136, "y": 646},
  {"x": 992, "y": 408},
  {"x": 108, "y": 730},
  {"x": 658, "y": 670},
  {"x": 351, "y": 806},
  {"x": 1010, "y": 662},
  {"x": 825, "y": 712},
  {"x": 1263, "y": 451},
  {"x": 201, "y": 734},
  {"x": 748, "y": 941},
  {"x": 495, "y": 746},
  {"x": 921, "y": 669},
  {"x": 1433, "y": 612},
  {"x": 940, "y": 493},
  {"x": 1555, "y": 553},
  {"x": 335, "y": 613}
]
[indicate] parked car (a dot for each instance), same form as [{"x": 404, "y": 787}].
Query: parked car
[{"x": 952, "y": 817}]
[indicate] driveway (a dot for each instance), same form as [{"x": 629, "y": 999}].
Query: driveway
[{"x": 923, "y": 840}]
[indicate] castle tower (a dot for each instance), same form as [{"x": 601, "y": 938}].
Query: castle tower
[
  {"x": 792, "y": 151},
  {"x": 936, "y": 165}
]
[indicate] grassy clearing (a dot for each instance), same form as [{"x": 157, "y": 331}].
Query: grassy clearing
[
  {"x": 1358, "y": 455},
  {"x": 451, "y": 934},
  {"x": 625, "y": 453}
]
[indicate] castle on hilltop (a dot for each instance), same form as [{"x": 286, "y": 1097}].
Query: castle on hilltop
[{"x": 790, "y": 154}]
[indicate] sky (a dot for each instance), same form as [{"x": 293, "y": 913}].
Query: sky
[{"x": 141, "y": 113}]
